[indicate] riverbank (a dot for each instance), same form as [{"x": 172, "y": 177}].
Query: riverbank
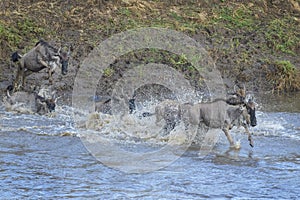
[{"x": 254, "y": 43}]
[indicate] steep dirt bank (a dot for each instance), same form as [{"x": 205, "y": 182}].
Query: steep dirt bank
[{"x": 256, "y": 43}]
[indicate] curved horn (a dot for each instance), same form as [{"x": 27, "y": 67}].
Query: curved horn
[
  {"x": 55, "y": 99},
  {"x": 7, "y": 93},
  {"x": 44, "y": 95},
  {"x": 9, "y": 89}
]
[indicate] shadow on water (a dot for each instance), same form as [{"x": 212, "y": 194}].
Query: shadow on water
[{"x": 235, "y": 158}]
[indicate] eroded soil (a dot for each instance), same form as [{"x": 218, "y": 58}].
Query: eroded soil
[{"x": 255, "y": 43}]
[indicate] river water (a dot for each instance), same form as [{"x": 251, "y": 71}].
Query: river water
[{"x": 44, "y": 158}]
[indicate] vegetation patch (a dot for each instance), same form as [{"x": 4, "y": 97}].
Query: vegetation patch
[
  {"x": 9, "y": 36},
  {"x": 238, "y": 35},
  {"x": 235, "y": 17},
  {"x": 283, "y": 35},
  {"x": 284, "y": 76}
]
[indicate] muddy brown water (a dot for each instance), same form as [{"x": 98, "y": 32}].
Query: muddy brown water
[{"x": 37, "y": 162}]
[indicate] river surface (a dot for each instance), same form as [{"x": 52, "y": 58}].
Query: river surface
[{"x": 44, "y": 158}]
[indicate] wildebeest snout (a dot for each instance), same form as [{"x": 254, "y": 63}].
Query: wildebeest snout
[{"x": 50, "y": 104}]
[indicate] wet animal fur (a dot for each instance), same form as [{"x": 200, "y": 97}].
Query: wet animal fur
[
  {"x": 217, "y": 115},
  {"x": 28, "y": 102}
]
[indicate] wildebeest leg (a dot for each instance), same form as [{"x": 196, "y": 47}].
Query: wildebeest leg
[
  {"x": 249, "y": 135},
  {"x": 229, "y": 138},
  {"x": 41, "y": 61},
  {"x": 25, "y": 74},
  {"x": 17, "y": 79},
  {"x": 20, "y": 75},
  {"x": 50, "y": 76}
]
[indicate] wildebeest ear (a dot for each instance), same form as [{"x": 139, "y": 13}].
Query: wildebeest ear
[{"x": 53, "y": 96}]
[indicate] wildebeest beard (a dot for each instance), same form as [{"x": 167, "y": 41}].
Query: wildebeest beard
[
  {"x": 251, "y": 112},
  {"x": 64, "y": 60}
]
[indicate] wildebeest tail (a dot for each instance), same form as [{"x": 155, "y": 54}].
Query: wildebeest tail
[{"x": 15, "y": 57}]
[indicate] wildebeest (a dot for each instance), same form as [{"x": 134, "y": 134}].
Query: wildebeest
[
  {"x": 42, "y": 56},
  {"x": 220, "y": 114},
  {"x": 39, "y": 101}
]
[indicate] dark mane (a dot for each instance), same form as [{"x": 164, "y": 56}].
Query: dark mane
[
  {"x": 45, "y": 44},
  {"x": 42, "y": 42}
]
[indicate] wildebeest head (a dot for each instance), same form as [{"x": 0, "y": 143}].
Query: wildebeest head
[
  {"x": 240, "y": 98},
  {"x": 51, "y": 103},
  {"x": 64, "y": 60},
  {"x": 250, "y": 105},
  {"x": 15, "y": 57},
  {"x": 46, "y": 97}
]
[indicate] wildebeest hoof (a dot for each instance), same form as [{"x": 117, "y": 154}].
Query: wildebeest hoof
[
  {"x": 251, "y": 144},
  {"x": 236, "y": 146},
  {"x": 250, "y": 141}
]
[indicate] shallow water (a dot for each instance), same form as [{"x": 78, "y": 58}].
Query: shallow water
[
  {"x": 279, "y": 102},
  {"x": 44, "y": 158}
]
